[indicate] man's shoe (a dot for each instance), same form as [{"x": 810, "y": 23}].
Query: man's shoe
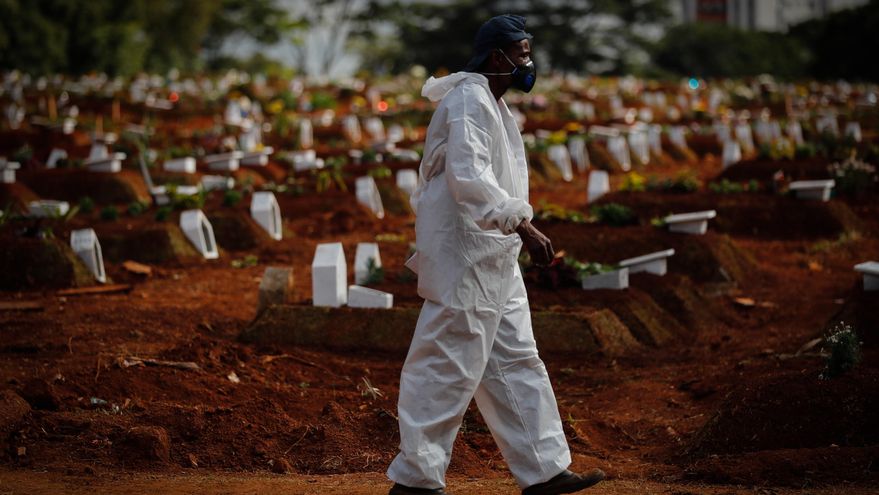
[
  {"x": 399, "y": 489},
  {"x": 567, "y": 482}
]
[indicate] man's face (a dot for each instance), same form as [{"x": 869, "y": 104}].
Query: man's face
[{"x": 519, "y": 53}]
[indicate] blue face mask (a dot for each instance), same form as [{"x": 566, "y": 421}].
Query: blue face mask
[{"x": 524, "y": 76}]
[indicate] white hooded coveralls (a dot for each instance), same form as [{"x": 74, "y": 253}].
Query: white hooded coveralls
[{"x": 474, "y": 336}]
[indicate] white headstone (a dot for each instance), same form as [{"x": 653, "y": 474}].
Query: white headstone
[
  {"x": 233, "y": 114},
  {"x": 258, "y": 158},
  {"x": 677, "y": 136},
  {"x": 558, "y": 154},
  {"x": 85, "y": 244},
  {"x": 616, "y": 280},
  {"x": 375, "y": 128},
  {"x": 795, "y": 132},
  {"x": 217, "y": 183},
  {"x": 745, "y": 138},
  {"x": 364, "y": 297},
  {"x": 265, "y": 211},
  {"x": 306, "y": 160},
  {"x": 827, "y": 124},
  {"x": 732, "y": 153},
  {"x": 722, "y": 131},
  {"x": 639, "y": 146},
  {"x": 108, "y": 164},
  {"x": 813, "y": 189},
  {"x": 690, "y": 223},
  {"x": 367, "y": 195},
  {"x": 68, "y": 125},
  {"x": 655, "y": 263},
  {"x": 98, "y": 151},
  {"x": 7, "y": 171},
  {"x": 578, "y": 152},
  {"x": 184, "y": 165},
  {"x": 198, "y": 230},
  {"x": 870, "y": 270},
  {"x": 329, "y": 275},
  {"x": 306, "y": 134},
  {"x": 365, "y": 251},
  {"x": 853, "y": 130},
  {"x": 396, "y": 133},
  {"x": 599, "y": 185},
  {"x": 351, "y": 128},
  {"x": 225, "y": 162},
  {"x": 56, "y": 155},
  {"x": 619, "y": 150},
  {"x": 407, "y": 180},
  {"x": 654, "y": 137},
  {"x": 48, "y": 208}
]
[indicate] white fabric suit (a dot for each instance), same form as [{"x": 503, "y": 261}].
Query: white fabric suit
[{"x": 474, "y": 336}]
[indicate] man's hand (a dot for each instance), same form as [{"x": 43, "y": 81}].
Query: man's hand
[{"x": 537, "y": 244}]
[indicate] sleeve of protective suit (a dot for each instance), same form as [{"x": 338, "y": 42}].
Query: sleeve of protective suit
[{"x": 472, "y": 182}]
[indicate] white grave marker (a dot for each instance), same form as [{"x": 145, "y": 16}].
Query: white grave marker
[
  {"x": 109, "y": 164},
  {"x": 745, "y": 138},
  {"x": 351, "y": 128},
  {"x": 853, "y": 130},
  {"x": 655, "y": 263},
  {"x": 85, "y": 244},
  {"x": 870, "y": 270},
  {"x": 407, "y": 180},
  {"x": 184, "y": 165},
  {"x": 329, "y": 275},
  {"x": 217, "y": 183},
  {"x": 654, "y": 138},
  {"x": 55, "y": 156},
  {"x": 599, "y": 185},
  {"x": 376, "y": 129},
  {"x": 677, "y": 136},
  {"x": 827, "y": 124},
  {"x": 732, "y": 153},
  {"x": 813, "y": 189},
  {"x": 306, "y": 160},
  {"x": 265, "y": 211},
  {"x": 306, "y": 134},
  {"x": 225, "y": 162},
  {"x": 198, "y": 230},
  {"x": 365, "y": 251},
  {"x": 367, "y": 195},
  {"x": 48, "y": 208},
  {"x": 258, "y": 158},
  {"x": 690, "y": 223},
  {"x": 616, "y": 280},
  {"x": 396, "y": 133},
  {"x": 619, "y": 150},
  {"x": 7, "y": 171},
  {"x": 364, "y": 297},
  {"x": 639, "y": 146},
  {"x": 795, "y": 132},
  {"x": 558, "y": 154},
  {"x": 578, "y": 152}
]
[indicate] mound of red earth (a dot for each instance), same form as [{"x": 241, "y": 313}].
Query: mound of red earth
[
  {"x": 790, "y": 427},
  {"x": 764, "y": 170}
]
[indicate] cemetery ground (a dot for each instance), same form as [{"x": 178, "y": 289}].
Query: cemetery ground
[{"x": 705, "y": 380}]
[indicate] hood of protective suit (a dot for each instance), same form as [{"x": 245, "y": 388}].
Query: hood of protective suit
[{"x": 436, "y": 88}]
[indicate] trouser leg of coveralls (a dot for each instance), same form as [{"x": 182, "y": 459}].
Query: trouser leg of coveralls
[
  {"x": 516, "y": 399},
  {"x": 446, "y": 361}
]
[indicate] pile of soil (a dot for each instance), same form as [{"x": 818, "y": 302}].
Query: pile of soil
[
  {"x": 763, "y": 170},
  {"x": 33, "y": 263},
  {"x": 73, "y": 184}
]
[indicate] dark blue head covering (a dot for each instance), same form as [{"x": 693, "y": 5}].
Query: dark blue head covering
[{"x": 497, "y": 32}]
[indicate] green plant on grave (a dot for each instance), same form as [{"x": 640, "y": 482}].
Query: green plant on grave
[
  {"x": 186, "y": 201},
  {"x": 844, "y": 351},
  {"x": 753, "y": 186},
  {"x": 136, "y": 208},
  {"x": 588, "y": 269},
  {"x": 163, "y": 213},
  {"x": 805, "y": 151},
  {"x": 86, "y": 205},
  {"x": 382, "y": 172},
  {"x": 658, "y": 222},
  {"x": 684, "y": 182},
  {"x": 247, "y": 261},
  {"x": 853, "y": 177},
  {"x": 109, "y": 213},
  {"x": 231, "y": 197},
  {"x": 323, "y": 101},
  {"x": 633, "y": 182},
  {"x": 552, "y": 211},
  {"x": 614, "y": 214},
  {"x": 23, "y": 154},
  {"x": 725, "y": 186},
  {"x": 375, "y": 274}
]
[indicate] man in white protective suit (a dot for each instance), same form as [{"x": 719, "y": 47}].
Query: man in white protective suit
[{"x": 474, "y": 338}]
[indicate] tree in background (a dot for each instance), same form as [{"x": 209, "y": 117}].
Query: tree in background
[{"x": 587, "y": 36}]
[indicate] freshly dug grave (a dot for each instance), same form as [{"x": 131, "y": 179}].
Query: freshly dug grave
[
  {"x": 762, "y": 170},
  {"x": 706, "y": 258},
  {"x": 16, "y": 196},
  {"x": 144, "y": 241},
  {"x": 32, "y": 263},
  {"x": 72, "y": 184},
  {"x": 235, "y": 230},
  {"x": 759, "y": 215}
]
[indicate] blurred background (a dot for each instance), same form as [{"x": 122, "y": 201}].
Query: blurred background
[{"x": 791, "y": 39}]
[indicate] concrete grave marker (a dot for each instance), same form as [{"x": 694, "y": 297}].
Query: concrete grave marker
[
  {"x": 364, "y": 297},
  {"x": 619, "y": 150},
  {"x": 184, "y": 165},
  {"x": 198, "y": 230},
  {"x": 217, "y": 183},
  {"x": 795, "y": 132},
  {"x": 690, "y": 223},
  {"x": 745, "y": 138},
  {"x": 306, "y": 134},
  {"x": 827, "y": 124},
  {"x": 639, "y": 146},
  {"x": 813, "y": 189},
  {"x": 578, "y": 152},
  {"x": 55, "y": 156},
  {"x": 616, "y": 280},
  {"x": 654, "y": 138},
  {"x": 258, "y": 158},
  {"x": 85, "y": 244},
  {"x": 306, "y": 160},
  {"x": 7, "y": 171},
  {"x": 870, "y": 270},
  {"x": 265, "y": 211},
  {"x": 376, "y": 129},
  {"x": 558, "y": 154},
  {"x": 853, "y": 130},
  {"x": 108, "y": 164},
  {"x": 351, "y": 128},
  {"x": 276, "y": 287},
  {"x": 732, "y": 153},
  {"x": 329, "y": 275},
  {"x": 396, "y": 133},
  {"x": 68, "y": 125},
  {"x": 367, "y": 195},
  {"x": 407, "y": 180},
  {"x": 225, "y": 162},
  {"x": 48, "y": 208},
  {"x": 365, "y": 251},
  {"x": 655, "y": 263},
  {"x": 599, "y": 185},
  {"x": 677, "y": 136}
]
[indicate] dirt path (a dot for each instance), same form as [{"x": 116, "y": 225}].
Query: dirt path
[{"x": 36, "y": 483}]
